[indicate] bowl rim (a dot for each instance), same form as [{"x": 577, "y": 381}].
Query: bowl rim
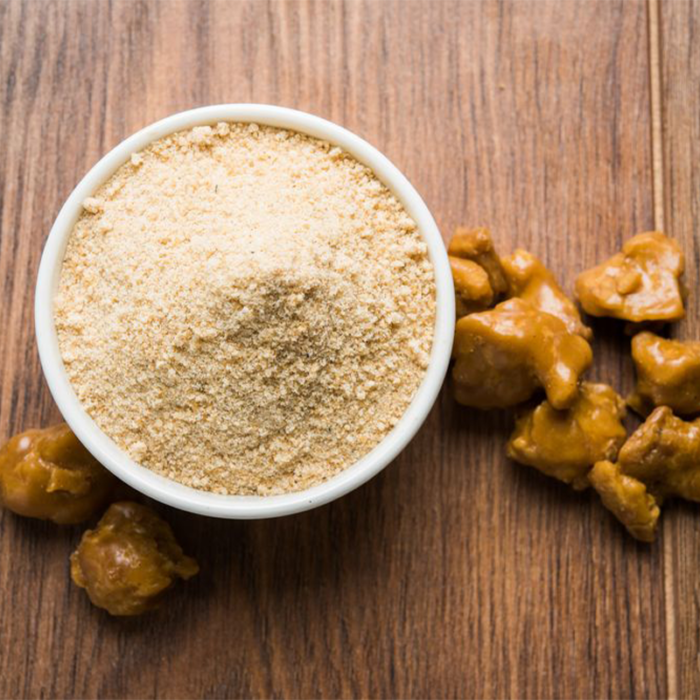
[{"x": 171, "y": 492}]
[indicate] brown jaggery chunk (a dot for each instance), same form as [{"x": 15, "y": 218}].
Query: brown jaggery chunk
[
  {"x": 664, "y": 453},
  {"x": 530, "y": 280},
  {"x": 48, "y": 474},
  {"x": 627, "y": 498},
  {"x": 130, "y": 560},
  {"x": 505, "y": 354},
  {"x": 640, "y": 284},
  {"x": 668, "y": 374},
  {"x": 473, "y": 290},
  {"x": 566, "y": 444},
  {"x": 476, "y": 245}
]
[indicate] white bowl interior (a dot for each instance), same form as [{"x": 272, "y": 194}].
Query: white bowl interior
[{"x": 171, "y": 492}]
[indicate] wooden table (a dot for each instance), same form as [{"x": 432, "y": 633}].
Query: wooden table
[{"x": 566, "y": 127}]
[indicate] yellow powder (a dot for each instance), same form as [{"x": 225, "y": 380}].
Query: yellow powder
[{"x": 246, "y": 310}]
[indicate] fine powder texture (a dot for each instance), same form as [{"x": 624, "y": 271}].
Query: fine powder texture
[{"x": 246, "y": 310}]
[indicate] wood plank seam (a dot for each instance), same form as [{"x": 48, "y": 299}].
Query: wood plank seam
[
  {"x": 657, "y": 153},
  {"x": 657, "y": 150}
]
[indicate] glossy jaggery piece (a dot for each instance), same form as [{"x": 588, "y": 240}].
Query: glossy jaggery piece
[
  {"x": 503, "y": 355},
  {"x": 476, "y": 246},
  {"x": 530, "y": 280},
  {"x": 473, "y": 290},
  {"x": 130, "y": 560},
  {"x": 664, "y": 453},
  {"x": 48, "y": 474},
  {"x": 668, "y": 374},
  {"x": 640, "y": 284},
  {"x": 627, "y": 498},
  {"x": 566, "y": 444}
]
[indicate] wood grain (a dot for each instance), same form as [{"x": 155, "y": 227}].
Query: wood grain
[
  {"x": 453, "y": 573},
  {"x": 680, "y": 101}
]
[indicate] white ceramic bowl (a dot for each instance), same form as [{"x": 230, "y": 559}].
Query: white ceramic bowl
[{"x": 166, "y": 490}]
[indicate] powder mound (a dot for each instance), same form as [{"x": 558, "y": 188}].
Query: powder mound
[{"x": 245, "y": 310}]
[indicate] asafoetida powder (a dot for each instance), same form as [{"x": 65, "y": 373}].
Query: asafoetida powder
[{"x": 245, "y": 309}]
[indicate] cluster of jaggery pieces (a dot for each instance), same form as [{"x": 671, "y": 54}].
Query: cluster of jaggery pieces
[
  {"x": 518, "y": 334},
  {"x": 131, "y": 558}
]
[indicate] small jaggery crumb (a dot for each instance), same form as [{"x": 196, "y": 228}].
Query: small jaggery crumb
[{"x": 245, "y": 309}]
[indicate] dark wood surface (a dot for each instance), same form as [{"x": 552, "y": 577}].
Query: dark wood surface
[{"x": 454, "y": 573}]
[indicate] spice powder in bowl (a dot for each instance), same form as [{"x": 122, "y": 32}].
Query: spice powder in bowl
[{"x": 245, "y": 309}]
